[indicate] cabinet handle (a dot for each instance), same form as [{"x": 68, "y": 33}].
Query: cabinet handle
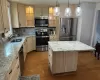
[
  {"x": 18, "y": 67},
  {"x": 17, "y": 57},
  {"x": 10, "y": 72}
]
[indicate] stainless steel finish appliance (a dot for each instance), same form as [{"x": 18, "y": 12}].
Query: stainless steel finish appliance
[
  {"x": 41, "y": 22},
  {"x": 68, "y": 29},
  {"x": 21, "y": 60},
  {"x": 42, "y": 38}
]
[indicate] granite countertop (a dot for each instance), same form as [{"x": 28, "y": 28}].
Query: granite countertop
[
  {"x": 8, "y": 52},
  {"x": 69, "y": 46}
]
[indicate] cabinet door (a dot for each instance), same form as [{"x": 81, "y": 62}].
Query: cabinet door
[
  {"x": 38, "y": 12},
  {"x": 25, "y": 49},
  {"x": 30, "y": 44},
  {"x": 45, "y": 11},
  {"x": 34, "y": 43},
  {"x": 14, "y": 15},
  {"x": 5, "y": 6},
  {"x": 21, "y": 15},
  {"x": 1, "y": 20}
]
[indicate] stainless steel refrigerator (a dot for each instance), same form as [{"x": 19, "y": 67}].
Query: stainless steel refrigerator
[{"x": 68, "y": 29}]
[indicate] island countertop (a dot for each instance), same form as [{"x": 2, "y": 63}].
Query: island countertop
[{"x": 69, "y": 46}]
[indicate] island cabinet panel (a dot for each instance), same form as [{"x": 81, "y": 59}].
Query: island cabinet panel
[
  {"x": 70, "y": 61},
  {"x": 58, "y": 58},
  {"x": 60, "y": 62}
]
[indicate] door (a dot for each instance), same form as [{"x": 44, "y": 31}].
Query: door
[
  {"x": 5, "y": 6},
  {"x": 1, "y": 20},
  {"x": 21, "y": 15},
  {"x": 38, "y": 11},
  {"x": 45, "y": 11}
]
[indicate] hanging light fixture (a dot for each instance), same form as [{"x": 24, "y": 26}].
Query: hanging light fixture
[
  {"x": 78, "y": 10},
  {"x": 68, "y": 11},
  {"x": 57, "y": 9}
]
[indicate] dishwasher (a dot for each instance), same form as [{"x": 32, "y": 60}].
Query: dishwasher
[{"x": 21, "y": 60}]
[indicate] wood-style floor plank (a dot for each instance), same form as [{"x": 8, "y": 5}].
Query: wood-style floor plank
[{"x": 37, "y": 63}]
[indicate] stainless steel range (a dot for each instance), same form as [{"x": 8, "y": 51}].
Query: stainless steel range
[{"x": 42, "y": 38}]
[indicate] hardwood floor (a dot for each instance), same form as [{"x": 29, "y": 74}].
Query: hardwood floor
[{"x": 88, "y": 67}]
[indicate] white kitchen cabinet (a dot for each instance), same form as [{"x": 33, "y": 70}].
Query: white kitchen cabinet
[
  {"x": 14, "y": 15},
  {"x": 31, "y": 44},
  {"x": 1, "y": 20},
  {"x": 45, "y": 11},
  {"x": 4, "y": 15},
  {"x": 41, "y": 11},
  {"x": 60, "y": 62},
  {"x": 25, "y": 49},
  {"x": 21, "y": 15},
  {"x": 37, "y": 12},
  {"x": 14, "y": 71}
]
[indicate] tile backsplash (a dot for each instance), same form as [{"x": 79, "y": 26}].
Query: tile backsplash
[{"x": 24, "y": 31}]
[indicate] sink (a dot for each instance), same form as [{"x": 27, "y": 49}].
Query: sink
[{"x": 16, "y": 40}]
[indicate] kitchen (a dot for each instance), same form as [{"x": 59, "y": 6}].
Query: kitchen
[{"x": 35, "y": 41}]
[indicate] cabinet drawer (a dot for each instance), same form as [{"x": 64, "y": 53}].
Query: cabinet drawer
[
  {"x": 15, "y": 72},
  {"x": 10, "y": 72}
]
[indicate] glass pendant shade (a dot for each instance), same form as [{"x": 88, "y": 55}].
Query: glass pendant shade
[
  {"x": 68, "y": 12},
  {"x": 56, "y": 11},
  {"x": 78, "y": 11}
]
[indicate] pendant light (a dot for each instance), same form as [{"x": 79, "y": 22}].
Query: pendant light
[
  {"x": 68, "y": 11},
  {"x": 57, "y": 9},
  {"x": 78, "y": 10}
]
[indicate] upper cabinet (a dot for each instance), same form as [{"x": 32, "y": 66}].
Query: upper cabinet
[
  {"x": 29, "y": 16},
  {"x": 52, "y": 18},
  {"x": 41, "y": 11},
  {"x": 4, "y": 19},
  {"x": 21, "y": 15},
  {"x": 1, "y": 20},
  {"x": 14, "y": 15}
]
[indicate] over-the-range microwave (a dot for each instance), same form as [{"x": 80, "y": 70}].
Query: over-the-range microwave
[{"x": 41, "y": 22}]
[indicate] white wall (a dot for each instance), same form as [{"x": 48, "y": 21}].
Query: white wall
[
  {"x": 93, "y": 42},
  {"x": 86, "y": 22}
]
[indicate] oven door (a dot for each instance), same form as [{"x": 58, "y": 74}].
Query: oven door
[{"x": 42, "y": 40}]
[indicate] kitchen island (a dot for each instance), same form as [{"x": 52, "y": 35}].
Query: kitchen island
[{"x": 63, "y": 55}]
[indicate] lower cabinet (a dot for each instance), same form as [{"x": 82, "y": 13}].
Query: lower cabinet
[
  {"x": 29, "y": 45},
  {"x": 14, "y": 71},
  {"x": 25, "y": 49},
  {"x": 60, "y": 62}
]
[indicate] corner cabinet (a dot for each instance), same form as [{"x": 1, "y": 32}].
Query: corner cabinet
[{"x": 4, "y": 19}]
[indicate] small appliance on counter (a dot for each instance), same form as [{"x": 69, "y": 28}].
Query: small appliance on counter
[
  {"x": 41, "y": 21},
  {"x": 42, "y": 38}
]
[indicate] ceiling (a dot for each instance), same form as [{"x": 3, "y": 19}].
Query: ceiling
[{"x": 52, "y": 1}]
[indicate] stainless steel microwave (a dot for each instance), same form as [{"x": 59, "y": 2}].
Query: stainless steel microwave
[{"x": 41, "y": 22}]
